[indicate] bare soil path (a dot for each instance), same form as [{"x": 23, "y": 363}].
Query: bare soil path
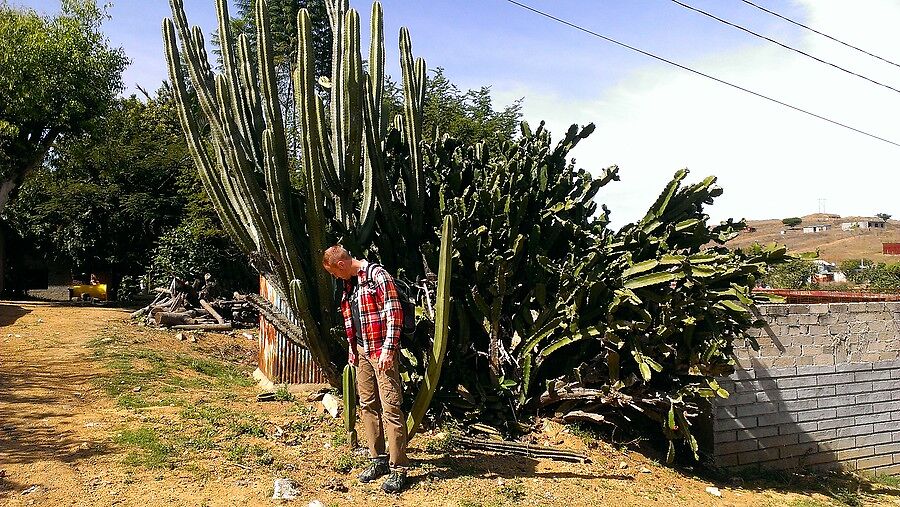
[{"x": 97, "y": 411}]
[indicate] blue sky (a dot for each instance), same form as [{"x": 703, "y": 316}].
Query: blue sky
[{"x": 652, "y": 119}]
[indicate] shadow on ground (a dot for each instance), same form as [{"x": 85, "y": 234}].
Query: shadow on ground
[{"x": 35, "y": 402}]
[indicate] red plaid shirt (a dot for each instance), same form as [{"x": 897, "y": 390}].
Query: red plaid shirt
[{"x": 380, "y": 312}]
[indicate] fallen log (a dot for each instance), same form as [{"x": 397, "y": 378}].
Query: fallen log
[
  {"x": 173, "y": 319},
  {"x": 520, "y": 449}
]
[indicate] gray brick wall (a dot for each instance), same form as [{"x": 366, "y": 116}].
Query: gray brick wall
[{"x": 820, "y": 392}]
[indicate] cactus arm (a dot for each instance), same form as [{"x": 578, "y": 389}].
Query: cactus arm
[
  {"x": 269, "y": 83},
  {"x": 350, "y": 404},
  {"x": 337, "y": 10},
  {"x": 441, "y": 332},
  {"x": 249, "y": 84},
  {"x": 214, "y": 188},
  {"x": 353, "y": 96},
  {"x": 312, "y": 164},
  {"x": 413, "y": 84},
  {"x": 376, "y": 67}
]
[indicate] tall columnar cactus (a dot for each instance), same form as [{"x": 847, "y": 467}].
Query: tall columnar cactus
[
  {"x": 441, "y": 331},
  {"x": 350, "y": 399},
  {"x": 245, "y": 164}
]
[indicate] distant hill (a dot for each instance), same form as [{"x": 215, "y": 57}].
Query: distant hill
[{"x": 834, "y": 245}]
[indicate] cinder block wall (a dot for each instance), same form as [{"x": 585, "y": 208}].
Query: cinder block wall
[{"x": 820, "y": 392}]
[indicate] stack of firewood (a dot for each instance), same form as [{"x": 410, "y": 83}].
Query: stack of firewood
[{"x": 184, "y": 306}]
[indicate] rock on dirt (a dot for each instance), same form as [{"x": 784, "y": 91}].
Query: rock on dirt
[
  {"x": 285, "y": 489},
  {"x": 179, "y": 337},
  {"x": 714, "y": 491},
  {"x": 331, "y": 405}
]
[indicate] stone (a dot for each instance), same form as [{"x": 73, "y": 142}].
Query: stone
[
  {"x": 623, "y": 465},
  {"x": 286, "y": 489},
  {"x": 179, "y": 337},
  {"x": 331, "y": 405},
  {"x": 714, "y": 491},
  {"x": 645, "y": 470}
]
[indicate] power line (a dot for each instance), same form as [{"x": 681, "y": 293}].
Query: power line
[
  {"x": 835, "y": 39},
  {"x": 697, "y": 72},
  {"x": 785, "y": 46}
]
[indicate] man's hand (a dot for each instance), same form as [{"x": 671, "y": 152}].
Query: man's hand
[{"x": 385, "y": 360}]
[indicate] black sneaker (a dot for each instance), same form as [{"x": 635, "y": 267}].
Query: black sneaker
[
  {"x": 378, "y": 468},
  {"x": 395, "y": 482}
]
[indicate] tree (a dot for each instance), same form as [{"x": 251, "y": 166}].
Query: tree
[
  {"x": 792, "y": 222},
  {"x": 124, "y": 197},
  {"x": 883, "y": 216},
  {"x": 58, "y": 75}
]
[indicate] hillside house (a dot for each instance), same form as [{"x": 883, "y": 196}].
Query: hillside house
[
  {"x": 862, "y": 224},
  {"x": 809, "y": 229}
]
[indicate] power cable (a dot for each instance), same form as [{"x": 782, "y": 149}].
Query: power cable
[
  {"x": 699, "y": 73},
  {"x": 835, "y": 39},
  {"x": 785, "y": 46}
]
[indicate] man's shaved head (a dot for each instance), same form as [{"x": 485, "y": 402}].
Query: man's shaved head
[{"x": 339, "y": 263}]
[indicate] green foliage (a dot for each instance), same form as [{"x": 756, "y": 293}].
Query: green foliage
[
  {"x": 794, "y": 274},
  {"x": 149, "y": 450},
  {"x": 58, "y": 75},
  {"x": 884, "y": 216},
  {"x": 873, "y": 275},
  {"x": 792, "y": 222}
]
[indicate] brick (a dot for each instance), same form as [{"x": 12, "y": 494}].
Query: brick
[
  {"x": 736, "y": 399},
  {"x": 822, "y": 459},
  {"x": 827, "y": 319},
  {"x": 803, "y": 449},
  {"x": 876, "y": 440},
  {"x": 837, "y": 307},
  {"x": 750, "y": 457},
  {"x": 862, "y": 429},
  {"x": 776, "y": 372},
  {"x": 851, "y": 410},
  {"x": 776, "y": 395},
  {"x": 888, "y": 470},
  {"x": 859, "y": 452},
  {"x": 838, "y": 329},
  {"x": 733, "y": 424},
  {"x": 815, "y": 392},
  {"x": 756, "y": 409},
  {"x": 834, "y": 378},
  {"x": 892, "y": 448},
  {"x": 839, "y": 444},
  {"x": 836, "y": 401},
  {"x": 729, "y": 460},
  {"x": 874, "y": 397},
  {"x": 872, "y": 375},
  {"x": 818, "y": 330},
  {"x": 895, "y": 373},
  {"x": 875, "y": 307},
  {"x": 876, "y": 419},
  {"x": 783, "y": 463},
  {"x": 889, "y": 426},
  {"x": 797, "y": 405},
  {"x": 720, "y": 437},
  {"x": 815, "y": 370},
  {"x": 787, "y": 429},
  {"x": 789, "y": 382},
  {"x": 838, "y": 422},
  {"x": 777, "y": 441},
  {"x": 739, "y": 446},
  {"x": 816, "y": 415},
  {"x": 809, "y": 319},
  {"x": 881, "y": 385},
  {"x": 756, "y": 433},
  {"x": 798, "y": 309},
  {"x": 817, "y": 436},
  {"x": 856, "y": 307},
  {"x": 841, "y": 368},
  {"x": 854, "y": 388},
  {"x": 772, "y": 419},
  {"x": 818, "y": 308},
  {"x": 875, "y": 461}
]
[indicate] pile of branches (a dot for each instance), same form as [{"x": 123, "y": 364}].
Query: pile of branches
[{"x": 186, "y": 306}]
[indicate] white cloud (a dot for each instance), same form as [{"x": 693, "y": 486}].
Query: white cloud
[{"x": 772, "y": 162}]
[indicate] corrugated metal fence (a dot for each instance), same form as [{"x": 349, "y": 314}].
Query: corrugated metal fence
[{"x": 281, "y": 360}]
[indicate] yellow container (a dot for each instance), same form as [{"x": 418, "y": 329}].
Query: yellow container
[{"x": 94, "y": 291}]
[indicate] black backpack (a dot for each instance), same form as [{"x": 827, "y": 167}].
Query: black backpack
[{"x": 403, "y": 292}]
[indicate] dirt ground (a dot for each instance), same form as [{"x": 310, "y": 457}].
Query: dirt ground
[{"x": 95, "y": 410}]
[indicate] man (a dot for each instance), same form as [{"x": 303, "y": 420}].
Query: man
[{"x": 373, "y": 319}]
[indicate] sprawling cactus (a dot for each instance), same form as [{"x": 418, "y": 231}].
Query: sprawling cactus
[{"x": 246, "y": 169}]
